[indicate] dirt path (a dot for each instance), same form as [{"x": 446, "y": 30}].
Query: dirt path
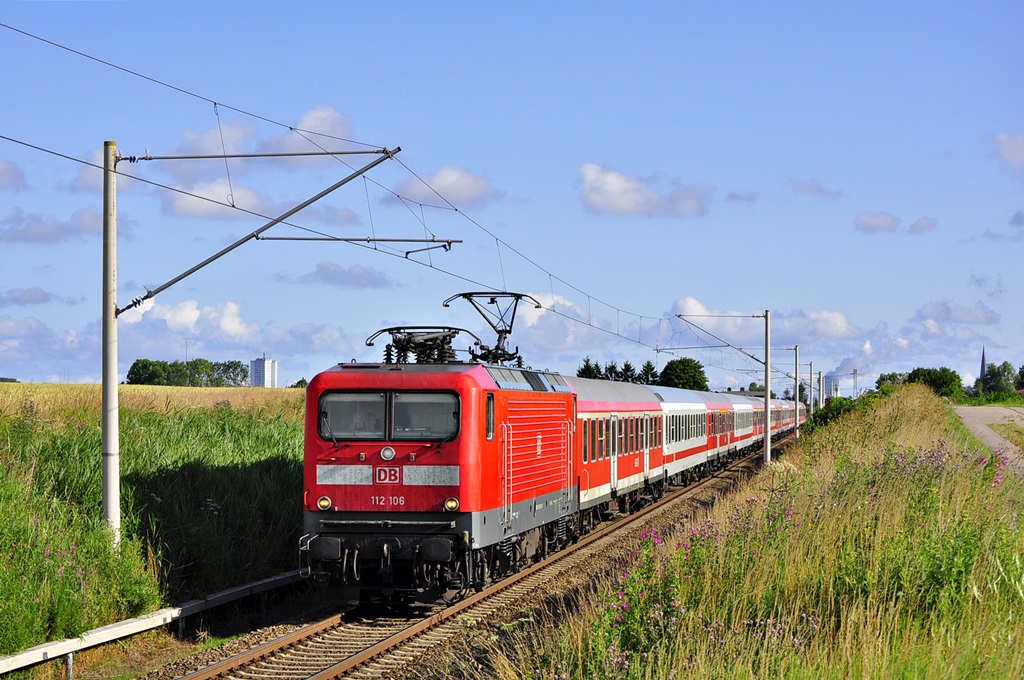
[{"x": 978, "y": 418}]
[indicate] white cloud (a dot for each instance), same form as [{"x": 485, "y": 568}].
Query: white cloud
[
  {"x": 34, "y": 295},
  {"x": 356, "y": 276},
  {"x": 609, "y": 191},
  {"x": 228, "y": 319},
  {"x": 741, "y": 197},
  {"x": 826, "y": 324},
  {"x": 992, "y": 286},
  {"x": 322, "y": 121},
  {"x": 814, "y": 187},
  {"x": 229, "y": 137},
  {"x": 946, "y": 312},
  {"x": 454, "y": 184},
  {"x": 22, "y": 227},
  {"x": 11, "y": 177},
  {"x": 874, "y": 222},
  {"x": 211, "y": 195},
  {"x": 223, "y": 321},
  {"x": 923, "y": 224},
  {"x": 1010, "y": 147}
]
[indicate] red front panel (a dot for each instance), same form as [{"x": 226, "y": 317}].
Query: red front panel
[{"x": 350, "y": 467}]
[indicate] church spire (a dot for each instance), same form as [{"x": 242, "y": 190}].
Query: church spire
[{"x": 982, "y": 362}]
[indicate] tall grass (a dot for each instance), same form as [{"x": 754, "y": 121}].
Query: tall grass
[
  {"x": 211, "y": 497},
  {"x": 884, "y": 545}
]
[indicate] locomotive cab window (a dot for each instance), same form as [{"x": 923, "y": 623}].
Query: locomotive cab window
[
  {"x": 424, "y": 415},
  {"x": 388, "y": 415},
  {"x": 352, "y": 415}
]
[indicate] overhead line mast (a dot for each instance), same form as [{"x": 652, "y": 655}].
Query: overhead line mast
[{"x": 111, "y": 491}]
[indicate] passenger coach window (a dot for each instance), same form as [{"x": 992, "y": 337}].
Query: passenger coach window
[{"x": 586, "y": 441}]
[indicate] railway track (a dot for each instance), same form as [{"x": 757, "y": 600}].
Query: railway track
[{"x": 352, "y": 646}]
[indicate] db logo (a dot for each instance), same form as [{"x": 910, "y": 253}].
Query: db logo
[{"x": 387, "y": 475}]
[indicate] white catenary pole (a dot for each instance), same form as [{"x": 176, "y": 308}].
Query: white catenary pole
[
  {"x": 810, "y": 395},
  {"x": 111, "y": 436},
  {"x": 767, "y": 386},
  {"x": 796, "y": 392}
]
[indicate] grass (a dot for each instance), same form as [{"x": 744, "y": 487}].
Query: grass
[
  {"x": 886, "y": 544},
  {"x": 1011, "y": 432},
  {"x": 210, "y": 495}
]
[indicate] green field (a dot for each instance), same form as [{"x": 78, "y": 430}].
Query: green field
[
  {"x": 211, "y": 485},
  {"x": 885, "y": 544}
]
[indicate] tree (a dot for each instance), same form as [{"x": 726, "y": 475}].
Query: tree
[
  {"x": 944, "y": 381},
  {"x": 649, "y": 374},
  {"x": 628, "y": 373},
  {"x": 196, "y": 373},
  {"x": 231, "y": 374},
  {"x": 177, "y": 374},
  {"x": 301, "y": 382},
  {"x": 684, "y": 373},
  {"x": 611, "y": 371},
  {"x": 1020, "y": 379},
  {"x": 834, "y": 408},
  {"x": 147, "y": 372},
  {"x": 890, "y": 379},
  {"x": 200, "y": 373},
  {"x": 589, "y": 369},
  {"x": 998, "y": 379},
  {"x": 787, "y": 394}
]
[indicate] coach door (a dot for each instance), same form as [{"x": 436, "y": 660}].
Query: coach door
[
  {"x": 613, "y": 450},
  {"x": 644, "y": 423}
]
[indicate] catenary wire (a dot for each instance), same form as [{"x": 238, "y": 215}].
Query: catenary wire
[{"x": 303, "y": 133}]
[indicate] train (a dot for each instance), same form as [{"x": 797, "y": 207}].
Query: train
[{"x": 426, "y": 479}]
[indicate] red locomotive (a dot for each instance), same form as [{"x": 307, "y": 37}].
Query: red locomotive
[{"x": 426, "y": 479}]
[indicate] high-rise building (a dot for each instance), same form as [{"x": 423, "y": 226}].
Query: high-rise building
[{"x": 263, "y": 372}]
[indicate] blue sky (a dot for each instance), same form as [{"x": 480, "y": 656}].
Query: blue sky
[{"x": 858, "y": 170}]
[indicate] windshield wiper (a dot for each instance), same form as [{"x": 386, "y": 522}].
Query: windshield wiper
[{"x": 327, "y": 425}]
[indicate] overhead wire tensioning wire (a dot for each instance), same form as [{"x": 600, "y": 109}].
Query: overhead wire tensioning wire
[{"x": 224, "y": 150}]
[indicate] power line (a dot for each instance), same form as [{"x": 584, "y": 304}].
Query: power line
[
  {"x": 175, "y": 87},
  {"x": 447, "y": 205}
]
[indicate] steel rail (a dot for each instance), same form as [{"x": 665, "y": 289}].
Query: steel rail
[{"x": 380, "y": 650}]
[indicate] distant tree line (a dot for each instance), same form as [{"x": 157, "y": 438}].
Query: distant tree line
[
  {"x": 998, "y": 379},
  {"x": 686, "y": 373},
  {"x": 193, "y": 373}
]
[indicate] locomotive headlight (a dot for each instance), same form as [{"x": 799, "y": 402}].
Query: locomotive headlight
[
  {"x": 387, "y": 453},
  {"x": 451, "y": 505},
  {"x": 324, "y": 503}
]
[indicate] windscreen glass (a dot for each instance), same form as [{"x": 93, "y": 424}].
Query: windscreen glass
[
  {"x": 352, "y": 415},
  {"x": 388, "y": 415},
  {"x": 425, "y": 415}
]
